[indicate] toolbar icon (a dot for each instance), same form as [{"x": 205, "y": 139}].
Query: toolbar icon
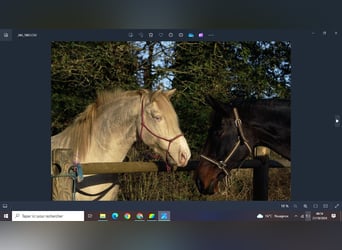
[
  {"x": 127, "y": 216},
  {"x": 5, "y": 35},
  {"x": 337, "y": 121},
  {"x": 164, "y": 216},
  {"x": 260, "y": 216},
  {"x": 115, "y": 216},
  {"x": 139, "y": 216},
  {"x": 152, "y": 216},
  {"x": 307, "y": 216}
]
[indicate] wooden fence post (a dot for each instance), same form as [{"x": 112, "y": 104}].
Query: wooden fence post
[
  {"x": 62, "y": 179},
  {"x": 260, "y": 181},
  {"x": 260, "y": 174}
]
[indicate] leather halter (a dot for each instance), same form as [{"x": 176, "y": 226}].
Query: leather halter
[
  {"x": 143, "y": 125},
  {"x": 240, "y": 141}
]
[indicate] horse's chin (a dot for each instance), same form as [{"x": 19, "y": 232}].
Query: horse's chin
[
  {"x": 171, "y": 162},
  {"x": 210, "y": 190}
]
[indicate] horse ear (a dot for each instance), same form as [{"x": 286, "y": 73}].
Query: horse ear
[
  {"x": 155, "y": 94},
  {"x": 217, "y": 105},
  {"x": 169, "y": 93},
  {"x": 142, "y": 91}
]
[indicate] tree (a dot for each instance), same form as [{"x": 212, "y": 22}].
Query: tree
[
  {"x": 80, "y": 69},
  {"x": 226, "y": 70}
]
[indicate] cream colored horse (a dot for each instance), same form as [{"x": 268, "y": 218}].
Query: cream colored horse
[{"x": 106, "y": 130}]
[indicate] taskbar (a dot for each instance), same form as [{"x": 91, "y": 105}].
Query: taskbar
[{"x": 172, "y": 211}]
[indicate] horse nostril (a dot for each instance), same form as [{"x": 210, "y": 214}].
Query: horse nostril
[
  {"x": 199, "y": 185},
  {"x": 183, "y": 158}
]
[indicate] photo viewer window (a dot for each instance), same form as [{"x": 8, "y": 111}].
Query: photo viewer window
[{"x": 170, "y": 125}]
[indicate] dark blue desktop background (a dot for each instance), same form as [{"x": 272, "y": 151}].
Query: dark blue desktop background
[{"x": 29, "y": 107}]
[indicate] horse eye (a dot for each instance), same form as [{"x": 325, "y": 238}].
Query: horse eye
[{"x": 158, "y": 118}]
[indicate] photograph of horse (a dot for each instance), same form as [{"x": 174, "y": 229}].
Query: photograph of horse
[
  {"x": 107, "y": 129},
  {"x": 235, "y": 131},
  {"x": 114, "y": 105}
]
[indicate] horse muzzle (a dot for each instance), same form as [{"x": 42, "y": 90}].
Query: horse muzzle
[
  {"x": 178, "y": 153},
  {"x": 209, "y": 190}
]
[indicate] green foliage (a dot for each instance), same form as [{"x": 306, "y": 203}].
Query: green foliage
[
  {"x": 222, "y": 69},
  {"x": 80, "y": 69},
  {"x": 225, "y": 70}
]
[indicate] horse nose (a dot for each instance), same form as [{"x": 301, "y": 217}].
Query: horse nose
[
  {"x": 204, "y": 190},
  {"x": 183, "y": 158}
]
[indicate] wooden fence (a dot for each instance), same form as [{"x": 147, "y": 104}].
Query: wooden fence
[{"x": 64, "y": 178}]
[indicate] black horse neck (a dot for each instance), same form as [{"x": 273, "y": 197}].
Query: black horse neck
[{"x": 267, "y": 123}]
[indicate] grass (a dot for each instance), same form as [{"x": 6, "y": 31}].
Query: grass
[
  {"x": 175, "y": 186},
  {"x": 181, "y": 186}
]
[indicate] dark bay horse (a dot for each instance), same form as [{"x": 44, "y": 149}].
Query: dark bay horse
[{"x": 236, "y": 129}]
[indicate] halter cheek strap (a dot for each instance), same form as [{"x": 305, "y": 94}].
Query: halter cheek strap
[
  {"x": 143, "y": 125},
  {"x": 241, "y": 141}
]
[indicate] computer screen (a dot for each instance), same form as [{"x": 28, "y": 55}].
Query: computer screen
[{"x": 171, "y": 125}]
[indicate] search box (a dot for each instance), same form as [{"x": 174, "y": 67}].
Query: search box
[{"x": 47, "y": 215}]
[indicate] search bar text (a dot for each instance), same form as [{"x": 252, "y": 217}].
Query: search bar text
[{"x": 47, "y": 215}]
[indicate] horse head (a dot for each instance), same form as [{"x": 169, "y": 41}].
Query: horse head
[
  {"x": 159, "y": 128},
  {"x": 223, "y": 149},
  {"x": 232, "y": 138}
]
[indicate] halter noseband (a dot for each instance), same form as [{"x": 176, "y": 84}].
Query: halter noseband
[
  {"x": 143, "y": 125},
  {"x": 240, "y": 141}
]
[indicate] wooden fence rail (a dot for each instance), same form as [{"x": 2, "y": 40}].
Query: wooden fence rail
[{"x": 63, "y": 175}]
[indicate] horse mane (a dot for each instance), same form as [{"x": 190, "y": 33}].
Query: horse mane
[
  {"x": 274, "y": 106},
  {"x": 278, "y": 106},
  {"x": 80, "y": 130},
  {"x": 262, "y": 102}
]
